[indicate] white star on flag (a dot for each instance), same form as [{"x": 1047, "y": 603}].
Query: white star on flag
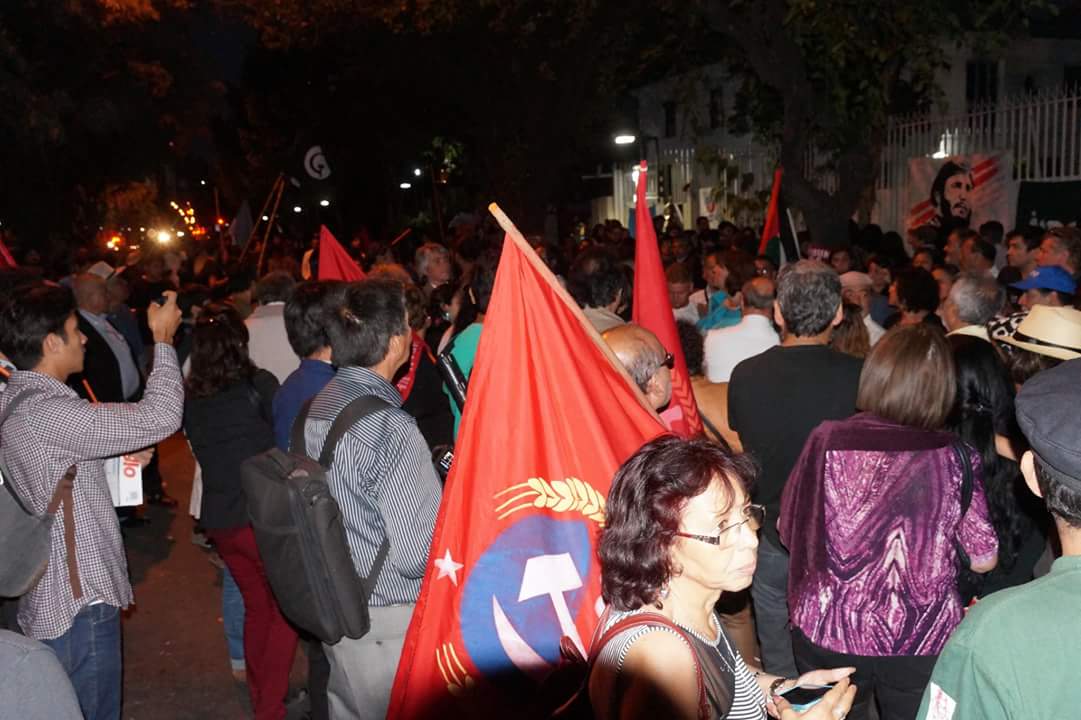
[{"x": 448, "y": 568}]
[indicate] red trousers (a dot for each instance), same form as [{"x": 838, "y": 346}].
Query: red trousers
[{"x": 269, "y": 641}]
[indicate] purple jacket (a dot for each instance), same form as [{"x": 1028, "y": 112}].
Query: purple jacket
[{"x": 869, "y": 516}]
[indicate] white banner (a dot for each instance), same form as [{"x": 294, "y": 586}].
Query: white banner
[
  {"x": 125, "y": 478},
  {"x": 961, "y": 190}
]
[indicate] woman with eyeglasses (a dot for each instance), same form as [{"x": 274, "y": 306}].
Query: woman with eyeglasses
[
  {"x": 679, "y": 531},
  {"x": 874, "y": 518}
]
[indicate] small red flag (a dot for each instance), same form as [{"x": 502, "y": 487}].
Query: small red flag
[
  {"x": 773, "y": 213},
  {"x": 549, "y": 417},
  {"x": 653, "y": 311},
  {"x": 6, "y": 260},
  {"x": 334, "y": 261}
]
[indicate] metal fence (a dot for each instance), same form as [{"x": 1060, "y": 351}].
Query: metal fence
[{"x": 1041, "y": 130}]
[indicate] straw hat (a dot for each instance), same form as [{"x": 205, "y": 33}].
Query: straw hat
[{"x": 1051, "y": 331}]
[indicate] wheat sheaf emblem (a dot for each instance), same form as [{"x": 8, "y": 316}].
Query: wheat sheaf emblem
[{"x": 570, "y": 495}]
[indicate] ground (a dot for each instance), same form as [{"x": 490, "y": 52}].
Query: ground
[{"x": 176, "y": 666}]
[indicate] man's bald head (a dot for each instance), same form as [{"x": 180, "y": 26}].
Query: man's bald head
[
  {"x": 758, "y": 296},
  {"x": 90, "y": 293},
  {"x": 643, "y": 355}
]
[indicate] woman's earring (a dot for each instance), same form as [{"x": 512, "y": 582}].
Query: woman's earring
[{"x": 664, "y": 592}]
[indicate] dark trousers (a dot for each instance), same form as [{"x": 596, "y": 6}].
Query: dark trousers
[
  {"x": 270, "y": 642},
  {"x": 769, "y": 592},
  {"x": 897, "y": 682}
]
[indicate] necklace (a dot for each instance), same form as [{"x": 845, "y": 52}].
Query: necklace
[{"x": 715, "y": 644}]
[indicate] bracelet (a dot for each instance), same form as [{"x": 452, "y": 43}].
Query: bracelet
[{"x": 773, "y": 686}]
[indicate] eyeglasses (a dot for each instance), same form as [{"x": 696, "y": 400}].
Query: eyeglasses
[{"x": 755, "y": 515}]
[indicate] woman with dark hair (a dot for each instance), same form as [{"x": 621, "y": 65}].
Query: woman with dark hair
[
  {"x": 680, "y": 530},
  {"x": 983, "y": 417},
  {"x": 873, "y": 518},
  {"x": 851, "y": 336},
  {"x": 227, "y": 418},
  {"x": 914, "y": 293}
]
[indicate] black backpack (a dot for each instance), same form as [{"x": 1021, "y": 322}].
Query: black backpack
[{"x": 301, "y": 536}]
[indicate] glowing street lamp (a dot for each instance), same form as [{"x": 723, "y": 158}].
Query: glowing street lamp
[
  {"x": 163, "y": 236},
  {"x": 625, "y": 139},
  {"x": 416, "y": 172},
  {"x": 405, "y": 185},
  {"x": 324, "y": 203}
]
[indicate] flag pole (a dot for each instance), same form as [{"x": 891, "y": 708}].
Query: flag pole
[
  {"x": 270, "y": 225},
  {"x": 531, "y": 256},
  {"x": 255, "y": 223}
]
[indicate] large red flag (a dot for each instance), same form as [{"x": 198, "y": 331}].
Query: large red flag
[
  {"x": 334, "y": 261},
  {"x": 549, "y": 418},
  {"x": 653, "y": 311},
  {"x": 773, "y": 213}
]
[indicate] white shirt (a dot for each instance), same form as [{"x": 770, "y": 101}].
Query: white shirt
[
  {"x": 727, "y": 347},
  {"x": 874, "y": 330},
  {"x": 688, "y": 312},
  {"x": 268, "y": 345}
]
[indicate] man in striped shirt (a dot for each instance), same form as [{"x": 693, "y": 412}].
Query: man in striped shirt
[{"x": 383, "y": 479}]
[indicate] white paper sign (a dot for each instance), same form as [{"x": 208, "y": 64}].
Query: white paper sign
[{"x": 125, "y": 478}]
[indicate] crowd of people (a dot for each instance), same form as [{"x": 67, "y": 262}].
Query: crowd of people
[{"x": 889, "y": 467}]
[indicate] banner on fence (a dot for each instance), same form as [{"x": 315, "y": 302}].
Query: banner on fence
[
  {"x": 961, "y": 190},
  {"x": 1049, "y": 204},
  {"x": 709, "y": 206}
]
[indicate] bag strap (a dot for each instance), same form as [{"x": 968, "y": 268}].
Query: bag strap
[
  {"x": 651, "y": 618},
  {"x": 347, "y": 418},
  {"x": 377, "y": 569},
  {"x": 297, "y": 443},
  {"x": 18, "y": 400},
  {"x": 64, "y": 495},
  {"x": 966, "y": 476}
]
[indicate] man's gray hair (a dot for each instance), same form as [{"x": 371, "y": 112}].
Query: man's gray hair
[
  {"x": 643, "y": 365},
  {"x": 424, "y": 255},
  {"x": 978, "y": 298},
  {"x": 808, "y": 295}
]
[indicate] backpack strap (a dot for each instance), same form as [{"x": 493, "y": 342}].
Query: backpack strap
[
  {"x": 651, "y": 618},
  {"x": 346, "y": 419},
  {"x": 18, "y": 400},
  {"x": 297, "y": 443}
]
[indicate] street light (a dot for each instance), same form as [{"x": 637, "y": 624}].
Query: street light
[
  {"x": 324, "y": 203},
  {"x": 416, "y": 172},
  {"x": 163, "y": 236},
  {"x": 266, "y": 218},
  {"x": 405, "y": 185},
  {"x": 625, "y": 139},
  {"x": 202, "y": 182},
  {"x": 296, "y": 208}
]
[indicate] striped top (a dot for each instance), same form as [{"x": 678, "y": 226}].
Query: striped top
[
  {"x": 721, "y": 664},
  {"x": 384, "y": 481}
]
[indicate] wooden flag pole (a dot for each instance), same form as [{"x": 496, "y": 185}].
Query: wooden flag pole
[
  {"x": 270, "y": 225},
  {"x": 258, "y": 218},
  {"x": 560, "y": 292},
  {"x": 404, "y": 234}
]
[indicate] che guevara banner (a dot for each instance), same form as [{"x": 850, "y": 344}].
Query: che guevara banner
[
  {"x": 549, "y": 417},
  {"x": 966, "y": 190},
  {"x": 653, "y": 310}
]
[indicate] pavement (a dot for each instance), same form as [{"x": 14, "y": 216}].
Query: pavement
[{"x": 176, "y": 665}]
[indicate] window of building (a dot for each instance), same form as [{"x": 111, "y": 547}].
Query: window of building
[
  {"x": 981, "y": 82},
  {"x": 669, "y": 119},
  {"x": 716, "y": 108}
]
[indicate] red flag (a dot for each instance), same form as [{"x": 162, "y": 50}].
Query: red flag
[
  {"x": 334, "y": 261},
  {"x": 773, "y": 213},
  {"x": 549, "y": 418},
  {"x": 653, "y": 311},
  {"x": 6, "y": 261}
]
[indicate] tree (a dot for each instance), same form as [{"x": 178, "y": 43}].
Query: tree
[{"x": 822, "y": 77}]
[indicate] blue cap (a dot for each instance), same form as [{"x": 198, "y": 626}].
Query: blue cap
[{"x": 1048, "y": 277}]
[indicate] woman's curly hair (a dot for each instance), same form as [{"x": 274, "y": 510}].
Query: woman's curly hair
[
  {"x": 643, "y": 509},
  {"x": 219, "y": 352}
]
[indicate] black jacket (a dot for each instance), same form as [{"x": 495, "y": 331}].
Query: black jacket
[
  {"x": 225, "y": 430},
  {"x": 100, "y": 367}
]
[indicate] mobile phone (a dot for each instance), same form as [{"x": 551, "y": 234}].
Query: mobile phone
[{"x": 804, "y": 697}]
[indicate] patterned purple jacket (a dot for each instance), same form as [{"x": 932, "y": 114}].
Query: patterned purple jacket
[{"x": 869, "y": 514}]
